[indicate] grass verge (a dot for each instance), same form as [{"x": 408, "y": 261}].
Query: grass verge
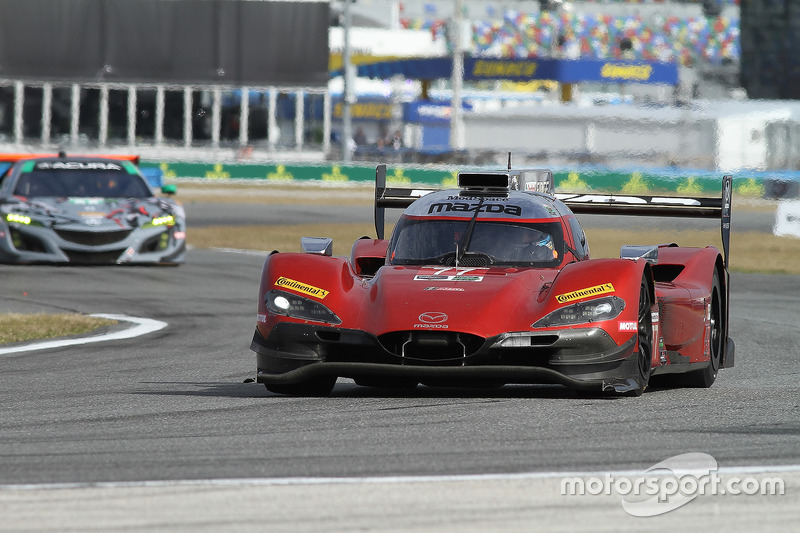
[{"x": 20, "y": 327}]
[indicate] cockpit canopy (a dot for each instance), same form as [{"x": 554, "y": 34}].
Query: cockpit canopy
[{"x": 420, "y": 241}]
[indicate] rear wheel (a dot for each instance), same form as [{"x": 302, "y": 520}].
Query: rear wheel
[
  {"x": 705, "y": 378},
  {"x": 321, "y": 386},
  {"x": 645, "y": 339}
]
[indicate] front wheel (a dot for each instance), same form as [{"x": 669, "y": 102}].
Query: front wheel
[
  {"x": 321, "y": 386},
  {"x": 645, "y": 339}
]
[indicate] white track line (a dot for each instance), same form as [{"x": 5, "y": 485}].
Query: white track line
[
  {"x": 142, "y": 326},
  {"x": 260, "y": 482}
]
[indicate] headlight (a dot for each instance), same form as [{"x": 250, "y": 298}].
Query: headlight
[
  {"x": 167, "y": 220},
  {"x": 583, "y": 312},
  {"x": 283, "y": 303},
  {"x": 19, "y": 219}
]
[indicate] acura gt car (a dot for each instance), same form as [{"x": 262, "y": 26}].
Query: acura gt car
[
  {"x": 86, "y": 210},
  {"x": 492, "y": 283}
]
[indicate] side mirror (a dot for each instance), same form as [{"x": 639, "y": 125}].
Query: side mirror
[{"x": 169, "y": 190}]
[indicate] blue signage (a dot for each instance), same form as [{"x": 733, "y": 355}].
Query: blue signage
[{"x": 561, "y": 70}]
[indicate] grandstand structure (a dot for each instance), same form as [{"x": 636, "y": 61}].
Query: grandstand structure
[{"x": 226, "y": 120}]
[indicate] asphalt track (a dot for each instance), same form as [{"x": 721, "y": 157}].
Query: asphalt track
[{"x": 161, "y": 432}]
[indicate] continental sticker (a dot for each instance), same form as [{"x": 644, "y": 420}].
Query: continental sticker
[
  {"x": 301, "y": 287},
  {"x": 585, "y": 293}
]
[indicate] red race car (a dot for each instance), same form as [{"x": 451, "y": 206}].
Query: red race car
[{"x": 491, "y": 283}]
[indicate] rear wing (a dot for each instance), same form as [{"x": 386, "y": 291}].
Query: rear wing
[
  {"x": 13, "y": 158},
  {"x": 600, "y": 204},
  {"x": 668, "y": 206}
]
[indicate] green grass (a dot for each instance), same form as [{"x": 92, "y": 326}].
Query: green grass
[{"x": 20, "y": 327}]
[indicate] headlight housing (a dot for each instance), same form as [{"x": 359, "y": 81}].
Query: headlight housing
[
  {"x": 292, "y": 305},
  {"x": 583, "y": 312}
]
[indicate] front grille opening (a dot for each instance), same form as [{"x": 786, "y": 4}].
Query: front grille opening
[
  {"x": 155, "y": 243},
  {"x": 93, "y": 238},
  {"x": 543, "y": 340},
  {"x": 431, "y": 345},
  {"x": 329, "y": 336},
  {"x": 25, "y": 243},
  {"x": 93, "y": 258}
]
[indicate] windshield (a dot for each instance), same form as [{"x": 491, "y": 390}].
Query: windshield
[
  {"x": 426, "y": 242},
  {"x": 65, "y": 183}
]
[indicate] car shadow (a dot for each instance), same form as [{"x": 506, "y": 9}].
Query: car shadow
[{"x": 347, "y": 389}]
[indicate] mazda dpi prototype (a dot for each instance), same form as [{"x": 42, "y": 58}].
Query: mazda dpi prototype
[
  {"x": 492, "y": 283},
  {"x": 86, "y": 210}
]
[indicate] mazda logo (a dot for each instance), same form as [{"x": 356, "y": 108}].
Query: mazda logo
[{"x": 433, "y": 318}]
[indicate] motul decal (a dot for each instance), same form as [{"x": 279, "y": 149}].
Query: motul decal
[
  {"x": 465, "y": 207},
  {"x": 628, "y": 326},
  {"x": 448, "y": 274},
  {"x": 301, "y": 287}
]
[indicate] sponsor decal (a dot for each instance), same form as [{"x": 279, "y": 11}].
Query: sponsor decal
[
  {"x": 464, "y": 207},
  {"x": 301, "y": 287},
  {"x": 494, "y": 69},
  {"x": 448, "y": 274},
  {"x": 584, "y": 293},
  {"x": 91, "y": 214},
  {"x": 462, "y": 198},
  {"x": 179, "y": 235},
  {"x": 449, "y": 289},
  {"x": 627, "y": 72},
  {"x": 628, "y": 325},
  {"x": 432, "y": 320},
  {"x": 86, "y": 201},
  {"x": 77, "y": 165},
  {"x": 364, "y": 110},
  {"x": 261, "y": 318}
]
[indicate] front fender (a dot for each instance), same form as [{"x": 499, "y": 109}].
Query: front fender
[
  {"x": 327, "y": 280},
  {"x": 596, "y": 278}
]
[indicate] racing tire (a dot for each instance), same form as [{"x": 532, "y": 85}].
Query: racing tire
[
  {"x": 644, "y": 340},
  {"x": 705, "y": 377},
  {"x": 321, "y": 386}
]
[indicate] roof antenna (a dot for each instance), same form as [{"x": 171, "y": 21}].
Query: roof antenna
[
  {"x": 509, "y": 160},
  {"x": 62, "y": 154}
]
